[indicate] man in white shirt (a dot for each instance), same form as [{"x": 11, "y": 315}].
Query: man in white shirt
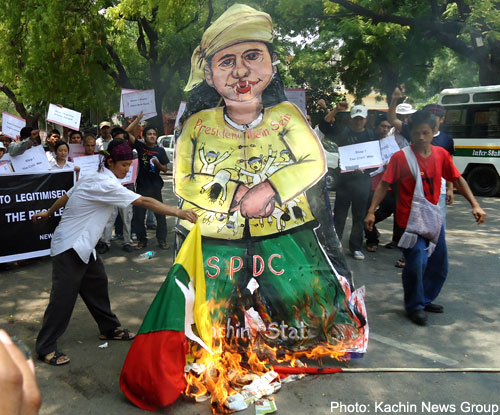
[
  {"x": 76, "y": 267},
  {"x": 105, "y": 138}
]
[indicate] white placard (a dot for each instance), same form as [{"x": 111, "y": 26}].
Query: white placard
[
  {"x": 360, "y": 156},
  {"x": 87, "y": 164},
  {"x": 64, "y": 116},
  {"x": 180, "y": 111},
  {"x": 131, "y": 176},
  {"x": 298, "y": 97},
  {"x": 5, "y": 167},
  {"x": 11, "y": 125},
  {"x": 388, "y": 146},
  {"x": 31, "y": 160},
  {"x": 141, "y": 101},
  {"x": 125, "y": 91},
  {"x": 76, "y": 150}
]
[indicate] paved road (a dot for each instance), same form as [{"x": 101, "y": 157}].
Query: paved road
[{"x": 464, "y": 336}]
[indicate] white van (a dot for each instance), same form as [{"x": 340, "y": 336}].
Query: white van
[{"x": 473, "y": 120}]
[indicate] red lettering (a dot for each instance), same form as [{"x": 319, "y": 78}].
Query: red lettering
[
  {"x": 232, "y": 269},
  {"x": 274, "y": 125},
  {"x": 209, "y": 264},
  {"x": 269, "y": 264},
  {"x": 262, "y": 266},
  {"x": 199, "y": 121}
]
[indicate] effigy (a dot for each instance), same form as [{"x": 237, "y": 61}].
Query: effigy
[{"x": 261, "y": 277}]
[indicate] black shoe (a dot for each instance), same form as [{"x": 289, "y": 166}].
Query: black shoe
[
  {"x": 128, "y": 248},
  {"x": 391, "y": 245},
  {"x": 102, "y": 249},
  {"x": 433, "y": 308},
  {"x": 418, "y": 317}
]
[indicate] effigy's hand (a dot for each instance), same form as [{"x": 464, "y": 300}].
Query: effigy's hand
[{"x": 259, "y": 202}]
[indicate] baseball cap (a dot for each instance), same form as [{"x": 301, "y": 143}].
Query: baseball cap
[
  {"x": 359, "y": 111},
  {"x": 2, "y": 146},
  {"x": 405, "y": 109},
  {"x": 104, "y": 124}
]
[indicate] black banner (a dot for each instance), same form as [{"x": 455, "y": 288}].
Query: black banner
[{"x": 21, "y": 197}]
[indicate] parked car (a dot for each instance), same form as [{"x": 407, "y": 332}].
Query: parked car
[
  {"x": 332, "y": 162},
  {"x": 168, "y": 143}
]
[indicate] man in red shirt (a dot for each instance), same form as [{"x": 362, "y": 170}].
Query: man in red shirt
[{"x": 423, "y": 276}]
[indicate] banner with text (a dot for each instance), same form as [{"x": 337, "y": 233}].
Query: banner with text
[{"x": 20, "y": 200}]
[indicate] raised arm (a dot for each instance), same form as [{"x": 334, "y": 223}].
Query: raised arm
[
  {"x": 341, "y": 106},
  {"x": 391, "y": 115},
  {"x": 132, "y": 126}
]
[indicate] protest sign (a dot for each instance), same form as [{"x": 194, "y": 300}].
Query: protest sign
[
  {"x": 11, "y": 125},
  {"x": 31, "y": 160},
  {"x": 388, "y": 146},
  {"x": 64, "y": 116},
  {"x": 360, "y": 156},
  {"x": 131, "y": 176},
  {"x": 139, "y": 101},
  {"x": 125, "y": 91},
  {"x": 76, "y": 150},
  {"x": 87, "y": 164},
  {"x": 298, "y": 97},
  {"x": 5, "y": 167},
  {"x": 20, "y": 237},
  {"x": 180, "y": 111}
]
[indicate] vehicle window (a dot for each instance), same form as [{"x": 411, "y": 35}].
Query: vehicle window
[
  {"x": 486, "y": 96},
  {"x": 486, "y": 122},
  {"x": 455, "y": 99},
  {"x": 456, "y": 122}
]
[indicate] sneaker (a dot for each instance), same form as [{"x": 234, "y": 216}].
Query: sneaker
[
  {"x": 128, "y": 248},
  {"x": 151, "y": 227},
  {"x": 418, "y": 317},
  {"x": 433, "y": 308},
  {"x": 358, "y": 255},
  {"x": 102, "y": 249},
  {"x": 116, "y": 237}
]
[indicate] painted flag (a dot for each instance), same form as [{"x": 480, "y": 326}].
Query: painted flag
[{"x": 153, "y": 373}]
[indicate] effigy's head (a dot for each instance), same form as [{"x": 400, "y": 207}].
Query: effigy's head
[{"x": 235, "y": 55}]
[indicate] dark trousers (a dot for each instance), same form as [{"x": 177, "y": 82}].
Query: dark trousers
[
  {"x": 386, "y": 208},
  {"x": 353, "y": 190},
  {"x": 70, "y": 277},
  {"x": 423, "y": 276},
  {"x": 140, "y": 214}
]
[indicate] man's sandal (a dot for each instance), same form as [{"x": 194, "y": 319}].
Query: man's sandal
[
  {"x": 118, "y": 334},
  {"x": 58, "y": 358},
  {"x": 371, "y": 248}
]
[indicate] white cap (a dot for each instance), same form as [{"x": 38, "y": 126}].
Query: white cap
[
  {"x": 359, "y": 111},
  {"x": 2, "y": 146},
  {"x": 405, "y": 109}
]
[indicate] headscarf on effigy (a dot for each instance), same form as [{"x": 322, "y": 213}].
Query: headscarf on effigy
[{"x": 237, "y": 24}]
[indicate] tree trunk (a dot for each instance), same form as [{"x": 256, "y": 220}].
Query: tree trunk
[{"x": 488, "y": 59}]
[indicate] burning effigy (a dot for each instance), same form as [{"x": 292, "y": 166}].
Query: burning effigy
[{"x": 260, "y": 280}]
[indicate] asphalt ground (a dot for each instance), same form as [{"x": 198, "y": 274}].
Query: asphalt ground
[{"x": 464, "y": 336}]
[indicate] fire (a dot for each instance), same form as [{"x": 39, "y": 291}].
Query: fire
[{"x": 235, "y": 364}]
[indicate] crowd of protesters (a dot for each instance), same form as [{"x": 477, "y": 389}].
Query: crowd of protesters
[{"x": 417, "y": 182}]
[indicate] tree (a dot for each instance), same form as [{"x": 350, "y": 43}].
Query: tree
[{"x": 469, "y": 28}]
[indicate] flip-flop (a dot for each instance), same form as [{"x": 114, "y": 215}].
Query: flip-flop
[
  {"x": 118, "y": 334},
  {"x": 54, "y": 360}
]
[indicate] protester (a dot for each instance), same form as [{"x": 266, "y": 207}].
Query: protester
[
  {"x": 29, "y": 137},
  {"x": 353, "y": 188},
  {"x": 89, "y": 144},
  {"x": 6, "y": 140},
  {"x": 426, "y": 265},
  {"x": 125, "y": 213},
  {"x": 19, "y": 392},
  {"x": 61, "y": 162},
  {"x": 105, "y": 138},
  {"x": 50, "y": 144},
  {"x": 152, "y": 161},
  {"x": 75, "y": 137},
  {"x": 76, "y": 267},
  {"x": 388, "y": 205}
]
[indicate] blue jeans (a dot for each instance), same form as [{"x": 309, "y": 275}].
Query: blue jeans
[{"x": 423, "y": 276}]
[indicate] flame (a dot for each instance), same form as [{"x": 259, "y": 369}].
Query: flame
[{"x": 234, "y": 365}]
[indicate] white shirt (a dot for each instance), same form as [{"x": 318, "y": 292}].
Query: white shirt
[
  {"x": 67, "y": 166},
  {"x": 100, "y": 144},
  {"x": 51, "y": 156},
  {"x": 91, "y": 202}
]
